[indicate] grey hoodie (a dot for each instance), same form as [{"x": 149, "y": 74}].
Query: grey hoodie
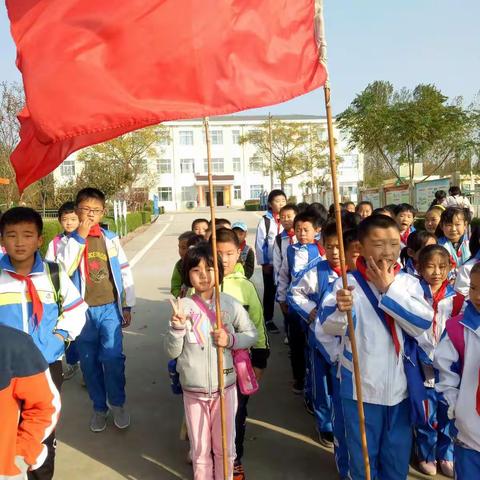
[{"x": 193, "y": 347}]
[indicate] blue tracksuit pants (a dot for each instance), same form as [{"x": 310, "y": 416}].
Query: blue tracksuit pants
[
  {"x": 317, "y": 373},
  {"x": 389, "y": 439},
  {"x": 101, "y": 356},
  {"x": 71, "y": 354},
  {"x": 433, "y": 441},
  {"x": 467, "y": 463}
]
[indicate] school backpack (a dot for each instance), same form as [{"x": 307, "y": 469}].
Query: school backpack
[
  {"x": 54, "y": 274},
  {"x": 456, "y": 333}
]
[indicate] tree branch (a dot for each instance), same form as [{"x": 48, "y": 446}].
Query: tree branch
[
  {"x": 445, "y": 158},
  {"x": 387, "y": 160}
]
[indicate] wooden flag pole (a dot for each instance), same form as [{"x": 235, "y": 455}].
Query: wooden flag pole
[
  {"x": 351, "y": 327},
  {"x": 213, "y": 238}
]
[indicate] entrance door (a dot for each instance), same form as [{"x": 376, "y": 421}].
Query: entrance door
[{"x": 219, "y": 198}]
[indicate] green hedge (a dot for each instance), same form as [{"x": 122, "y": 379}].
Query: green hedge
[{"x": 51, "y": 228}]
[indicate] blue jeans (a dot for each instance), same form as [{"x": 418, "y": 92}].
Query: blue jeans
[{"x": 101, "y": 356}]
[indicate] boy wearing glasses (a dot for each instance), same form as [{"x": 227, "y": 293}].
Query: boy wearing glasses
[{"x": 95, "y": 260}]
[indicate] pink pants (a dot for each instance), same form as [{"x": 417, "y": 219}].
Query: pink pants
[{"x": 205, "y": 432}]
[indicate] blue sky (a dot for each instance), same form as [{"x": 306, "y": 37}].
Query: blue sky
[{"x": 406, "y": 42}]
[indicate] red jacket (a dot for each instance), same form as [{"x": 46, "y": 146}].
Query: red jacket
[{"x": 29, "y": 403}]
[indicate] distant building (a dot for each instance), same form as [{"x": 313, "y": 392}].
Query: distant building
[{"x": 180, "y": 170}]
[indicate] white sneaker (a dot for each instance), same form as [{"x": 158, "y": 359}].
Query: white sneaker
[
  {"x": 121, "y": 418},
  {"x": 447, "y": 468},
  {"x": 428, "y": 468}
]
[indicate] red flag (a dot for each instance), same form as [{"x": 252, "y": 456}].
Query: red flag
[{"x": 93, "y": 70}]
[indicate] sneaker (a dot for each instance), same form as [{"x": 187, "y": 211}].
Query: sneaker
[
  {"x": 285, "y": 341},
  {"x": 297, "y": 388},
  {"x": 308, "y": 406},
  {"x": 326, "y": 439},
  {"x": 238, "y": 472},
  {"x": 271, "y": 327},
  {"x": 121, "y": 418},
  {"x": 98, "y": 422},
  {"x": 69, "y": 371},
  {"x": 447, "y": 468},
  {"x": 428, "y": 468}
]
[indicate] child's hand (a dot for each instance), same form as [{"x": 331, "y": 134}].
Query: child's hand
[
  {"x": 313, "y": 315},
  {"x": 127, "y": 318},
  {"x": 84, "y": 227},
  {"x": 220, "y": 337},
  {"x": 345, "y": 299},
  {"x": 178, "y": 316},
  {"x": 381, "y": 276}
]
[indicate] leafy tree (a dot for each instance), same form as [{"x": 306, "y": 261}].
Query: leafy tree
[
  {"x": 408, "y": 127},
  {"x": 295, "y": 149}
]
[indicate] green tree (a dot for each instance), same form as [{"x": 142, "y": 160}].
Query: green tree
[
  {"x": 294, "y": 148},
  {"x": 410, "y": 126}
]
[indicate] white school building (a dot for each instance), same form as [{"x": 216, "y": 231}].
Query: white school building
[{"x": 179, "y": 171}]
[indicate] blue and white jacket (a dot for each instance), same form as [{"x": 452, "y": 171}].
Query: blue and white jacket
[
  {"x": 383, "y": 379},
  {"x": 460, "y": 255},
  {"x": 462, "y": 282},
  {"x": 16, "y": 307},
  {"x": 458, "y": 386},
  {"x": 70, "y": 257},
  {"x": 264, "y": 239},
  {"x": 282, "y": 241},
  {"x": 299, "y": 259}
]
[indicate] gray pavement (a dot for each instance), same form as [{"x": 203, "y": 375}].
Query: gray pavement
[{"x": 281, "y": 442}]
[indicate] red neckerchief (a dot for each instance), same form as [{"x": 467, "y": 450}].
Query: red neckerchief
[
  {"x": 337, "y": 270},
  {"x": 404, "y": 236},
  {"x": 276, "y": 217},
  {"x": 95, "y": 231},
  {"x": 362, "y": 269},
  {"x": 37, "y": 305},
  {"x": 321, "y": 250},
  {"x": 242, "y": 245},
  {"x": 290, "y": 235},
  {"x": 436, "y": 299}
]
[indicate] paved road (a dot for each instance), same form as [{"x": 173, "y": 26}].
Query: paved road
[{"x": 281, "y": 438}]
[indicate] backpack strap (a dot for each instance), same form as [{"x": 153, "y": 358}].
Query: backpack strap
[
  {"x": 456, "y": 333},
  {"x": 56, "y": 241},
  {"x": 267, "y": 224},
  {"x": 54, "y": 274}
]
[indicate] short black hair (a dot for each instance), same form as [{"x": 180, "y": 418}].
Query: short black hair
[
  {"x": 195, "y": 240},
  {"x": 308, "y": 216},
  {"x": 454, "y": 190},
  {"x": 225, "y": 235},
  {"x": 289, "y": 206},
  {"x": 319, "y": 210},
  {"x": 381, "y": 211},
  {"x": 440, "y": 195},
  {"x": 194, "y": 255},
  {"x": 67, "y": 207},
  {"x": 350, "y": 220},
  {"x": 275, "y": 193},
  {"x": 451, "y": 212},
  {"x": 349, "y": 236},
  {"x": 362, "y": 203},
  {"x": 17, "y": 215},
  {"x": 302, "y": 206},
  {"x": 375, "y": 221},
  {"x": 416, "y": 241},
  {"x": 89, "y": 192},
  {"x": 426, "y": 253},
  {"x": 219, "y": 222},
  {"x": 475, "y": 269},
  {"x": 186, "y": 236},
  {"x": 405, "y": 207},
  {"x": 199, "y": 220},
  {"x": 349, "y": 202},
  {"x": 330, "y": 230}
]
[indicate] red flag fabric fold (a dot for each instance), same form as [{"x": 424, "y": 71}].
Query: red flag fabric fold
[{"x": 95, "y": 70}]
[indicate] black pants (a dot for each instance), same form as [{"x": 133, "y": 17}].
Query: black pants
[
  {"x": 45, "y": 472},
  {"x": 269, "y": 290},
  {"x": 296, "y": 342},
  {"x": 240, "y": 424}
]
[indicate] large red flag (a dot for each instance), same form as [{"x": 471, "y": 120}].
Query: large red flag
[{"x": 93, "y": 69}]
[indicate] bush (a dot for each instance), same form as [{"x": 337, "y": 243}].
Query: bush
[{"x": 252, "y": 205}]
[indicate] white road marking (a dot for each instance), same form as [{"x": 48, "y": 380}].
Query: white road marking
[
  {"x": 135, "y": 334},
  {"x": 147, "y": 247},
  {"x": 165, "y": 467}
]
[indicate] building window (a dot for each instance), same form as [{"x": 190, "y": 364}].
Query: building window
[
  {"x": 186, "y": 137},
  {"x": 189, "y": 194},
  {"x": 236, "y": 137},
  {"x": 256, "y": 191},
  {"x": 68, "y": 168},
  {"x": 217, "y": 137},
  {"x": 255, "y": 165},
  {"x": 165, "y": 194},
  {"x": 164, "y": 137},
  {"x": 237, "y": 192},
  {"x": 187, "y": 165},
  {"x": 217, "y": 165},
  {"x": 164, "y": 165},
  {"x": 236, "y": 164}
]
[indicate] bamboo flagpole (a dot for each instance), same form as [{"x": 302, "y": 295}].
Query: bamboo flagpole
[
  {"x": 320, "y": 31},
  {"x": 218, "y": 315}
]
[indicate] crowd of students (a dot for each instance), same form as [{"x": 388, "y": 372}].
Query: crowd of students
[{"x": 415, "y": 301}]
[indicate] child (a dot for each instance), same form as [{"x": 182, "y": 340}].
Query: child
[
  {"x": 29, "y": 404},
  {"x": 462, "y": 282},
  {"x": 433, "y": 440},
  {"x": 416, "y": 241},
  {"x": 457, "y": 360},
  {"x": 364, "y": 209},
  {"x": 177, "y": 289},
  {"x": 200, "y": 226},
  {"x": 454, "y": 222},
  {"x": 268, "y": 228},
  {"x": 247, "y": 255},
  {"x": 388, "y": 305},
  {"x": 432, "y": 219},
  {"x": 69, "y": 221},
  {"x": 96, "y": 258},
  {"x": 38, "y": 298},
  {"x": 192, "y": 338},
  {"x": 240, "y": 288},
  {"x": 383, "y": 211},
  {"x": 351, "y": 244},
  {"x": 404, "y": 216},
  {"x": 349, "y": 206}
]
